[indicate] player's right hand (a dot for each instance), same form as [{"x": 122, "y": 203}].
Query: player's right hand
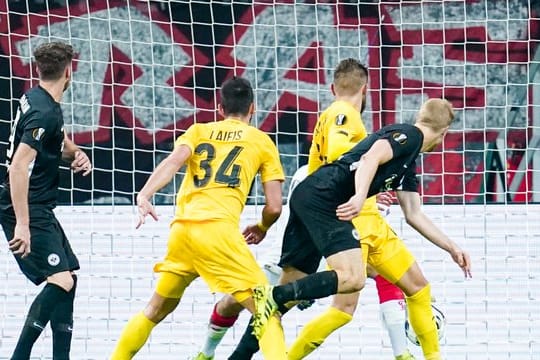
[
  {"x": 253, "y": 234},
  {"x": 145, "y": 208},
  {"x": 463, "y": 260},
  {"x": 20, "y": 244}
]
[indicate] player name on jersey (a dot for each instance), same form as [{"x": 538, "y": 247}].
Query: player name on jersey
[{"x": 226, "y": 135}]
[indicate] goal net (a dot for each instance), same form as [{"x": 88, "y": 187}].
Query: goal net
[{"x": 146, "y": 70}]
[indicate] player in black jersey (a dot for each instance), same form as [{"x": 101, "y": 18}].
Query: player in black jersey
[
  {"x": 322, "y": 206},
  {"x": 37, "y": 144}
]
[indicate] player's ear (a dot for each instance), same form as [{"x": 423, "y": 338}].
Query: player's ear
[
  {"x": 363, "y": 89},
  {"x": 332, "y": 89},
  {"x": 252, "y": 109},
  {"x": 220, "y": 111},
  {"x": 67, "y": 72}
]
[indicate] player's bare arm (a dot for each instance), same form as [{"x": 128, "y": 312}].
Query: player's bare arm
[
  {"x": 410, "y": 203},
  {"x": 161, "y": 176},
  {"x": 380, "y": 153},
  {"x": 255, "y": 233},
  {"x": 19, "y": 181},
  {"x": 78, "y": 158}
]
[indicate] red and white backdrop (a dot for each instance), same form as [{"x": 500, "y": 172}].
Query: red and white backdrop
[{"x": 146, "y": 70}]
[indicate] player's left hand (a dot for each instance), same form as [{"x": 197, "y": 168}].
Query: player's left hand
[
  {"x": 349, "y": 210},
  {"x": 253, "y": 234},
  {"x": 81, "y": 162}
]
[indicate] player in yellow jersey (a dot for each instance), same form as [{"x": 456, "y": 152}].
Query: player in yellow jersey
[
  {"x": 222, "y": 160},
  {"x": 338, "y": 129}
]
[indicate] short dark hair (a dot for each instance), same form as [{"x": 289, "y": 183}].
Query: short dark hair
[
  {"x": 52, "y": 58},
  {"x": 236, "y": 96},
  {"x": 349, "y": 76}
]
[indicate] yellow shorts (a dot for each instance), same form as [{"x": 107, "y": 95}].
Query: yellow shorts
[
  {"x": 213, "y": 250},
  {"x": 381, "y": 247}
]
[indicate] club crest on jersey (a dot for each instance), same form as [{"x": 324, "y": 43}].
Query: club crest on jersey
[
  {"x": 401, "y": 138},
  {"x": 53, "y": 259},
  {"x": 38, "y": 133},
  {"x": 341, "y": 119}
]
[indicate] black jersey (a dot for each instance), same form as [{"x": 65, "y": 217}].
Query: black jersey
[
  {"x": 39, "y": 124},
  {"x": 398, "y": 173}
]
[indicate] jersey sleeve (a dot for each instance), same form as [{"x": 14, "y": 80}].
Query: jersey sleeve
[
  {"x": 35, "y": 129},
  {"x": 271, "y": 168},
  {"x": 189, "y": 138},
  {"x": 404, "y": 141},
  {"x": 341, "y": 137}
]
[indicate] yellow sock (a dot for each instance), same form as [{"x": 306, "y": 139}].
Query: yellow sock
[
  {"x": 272, "y": 343},
  {"x": 423, "y": 323},
  {"x": 133, "y": 337},
  {"x": 316, "y": 331}
]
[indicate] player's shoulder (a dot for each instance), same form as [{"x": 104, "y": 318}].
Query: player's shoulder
[
  {"x": 342, "y": 113},
  {"x": 37, "y": 101}
]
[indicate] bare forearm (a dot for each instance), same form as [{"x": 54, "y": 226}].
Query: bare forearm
[
  {"x": 364, "y": 176},
  {"x": 161, "y": 176},
  {"x": 18, "y": 182},
  {"x": 70, "y": 148},
  {"x": 423, "y": 224},
  {"x": 270, "y": 215}
]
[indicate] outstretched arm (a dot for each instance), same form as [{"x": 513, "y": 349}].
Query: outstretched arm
[
  {"x": 161, "y": 176},
  {"x": 380, "y": 153},
  {"x": 410, "y": 203}
]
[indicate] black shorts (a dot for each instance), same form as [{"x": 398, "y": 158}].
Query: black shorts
[
  {"x": 313, "y": 229},
  {"x": 50, "y": 250}
]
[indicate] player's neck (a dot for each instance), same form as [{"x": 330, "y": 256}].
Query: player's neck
[
  {"x": 54, "y": 88},
  {"x": 354, "y": 101},
  {"x": 244, "y": 119}
]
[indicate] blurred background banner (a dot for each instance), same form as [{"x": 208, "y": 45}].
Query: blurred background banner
[{"x": 146, "y": 70}]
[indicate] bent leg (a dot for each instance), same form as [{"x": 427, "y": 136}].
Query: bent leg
[
  {"x": 169, "y": 291},
  {"x": 224, "y": 315},
  {"x": 315, "y": 332}
]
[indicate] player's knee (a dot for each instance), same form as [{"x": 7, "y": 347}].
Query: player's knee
[
  {"x": 228, "y": 306},
  {"x": 350, "y": 281}
]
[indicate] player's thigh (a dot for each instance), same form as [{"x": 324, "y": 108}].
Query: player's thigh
[
  {"x": 177, "y": 269},
  {"x": 50, "y": 251},
  {"x": 298, "y": 251},
  {"x": 388, "y": 254},
  {"x": 225, "y": 261}
]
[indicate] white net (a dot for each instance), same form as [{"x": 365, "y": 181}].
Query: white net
[{"x": 146, "y": 70}]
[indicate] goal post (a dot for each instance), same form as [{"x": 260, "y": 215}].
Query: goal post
[{"x": 146, "y": 70}]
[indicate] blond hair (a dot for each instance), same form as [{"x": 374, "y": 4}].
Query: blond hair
[
  {"x": 436, "y": 114},
  {"x": 349, "y": 77}
]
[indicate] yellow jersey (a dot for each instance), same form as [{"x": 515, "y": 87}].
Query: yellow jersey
[
  {"x": 338, "y": 129},
  {"x": 226, "y": 157}
]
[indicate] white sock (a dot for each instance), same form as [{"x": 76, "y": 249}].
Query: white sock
[
  {"x": 393, "y": 316},
  {"x": 213, "y": 337}
]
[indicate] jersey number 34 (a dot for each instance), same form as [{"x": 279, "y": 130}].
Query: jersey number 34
[{"x": 227, "y": 171}]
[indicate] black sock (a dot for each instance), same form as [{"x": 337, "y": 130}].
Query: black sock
[
  {"x": 62, "y": 325},
  {"x": 36, "y": 320},
  {"x": 314, "y": 286},
  {"x": 248, "y": 345}
]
